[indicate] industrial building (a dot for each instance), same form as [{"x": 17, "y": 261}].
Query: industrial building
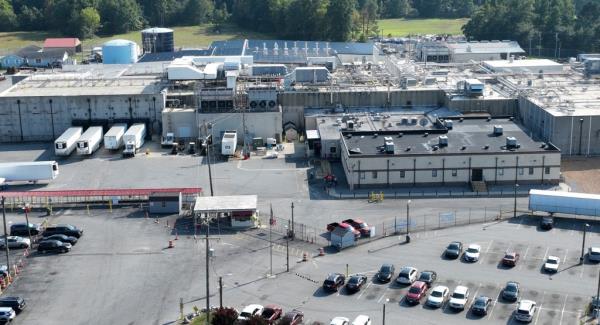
[{"x": 462, "y": 51}]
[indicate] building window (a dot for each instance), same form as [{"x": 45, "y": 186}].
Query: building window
[
  {"x": 454, "y": 172},
  {"x": 501, "y": 171},
  {"x": 530, "y": 170},
  {"x": 332, "y": 150},
  {"x": 38, "y": 60},
  {"x": 374, "y": 175},
  {"x": 434, "y": 173},
  {"x": 402, "y": 174},
  {"x": 521, "y": 171},
  {"x": 547, "y": 170},
  {"x": 362, "y": 175}
]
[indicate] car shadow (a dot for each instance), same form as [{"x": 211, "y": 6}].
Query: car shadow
[
  {"x": 321, "y": 293},
  {"x": 451, "y": 311},
  {"x": 444, "y": 257},
  {"x": 502, "y": 266},
  {"x": 470, "y": 315}
]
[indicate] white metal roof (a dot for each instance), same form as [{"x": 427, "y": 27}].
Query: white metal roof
[
  {"x": 565, "y": 194},
  {"x": 485, "y": 47},
  {"x": 312, "y": 134},
  {"x": 225, "y": 203}
]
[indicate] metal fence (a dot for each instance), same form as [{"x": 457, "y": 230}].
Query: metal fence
[
  {"x": 300, "y": 231},
  {"x": 426, "y": 193}
]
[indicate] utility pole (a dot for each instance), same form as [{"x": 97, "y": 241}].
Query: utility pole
[
  {"x": 407, "y": 221},
  {"x": 293, "y": 233},
  {"x": 207, "y": 270},
  {"x": 26, "y": 208},
  {"x": 271, "y": 242},
  {"x": 5, "y": 233},
  {"x": 221, "y": 291},
  {"x": 287, "y": 249},
  {"x": 515, "y": 206},
  {"x": 209, "y": 141},
  {"x": 585, "y": 227}
]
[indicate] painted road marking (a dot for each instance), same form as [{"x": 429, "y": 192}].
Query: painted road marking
[
  {"x": 537, "y": 316},
  {"x": 563, "y": 309},
  {"x": 363, "y": 291}
]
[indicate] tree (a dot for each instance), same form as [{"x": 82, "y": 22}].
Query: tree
[
  {"x": 197, "y": 12},
  {"x": 339, "y": 19},
  {"x": 220, "y": 16},
  {"x": 120, "y": 16},
  {"x": 8, "y": 19},
  {"x": 223, "y": 316},
  {"x": 89, "y": 22},
  {"x": 30, "y": 18}
]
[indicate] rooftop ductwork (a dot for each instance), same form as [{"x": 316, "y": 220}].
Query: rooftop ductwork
[
  {"x": 443, "y": 140},
  {"x": 498, "y": 130}
]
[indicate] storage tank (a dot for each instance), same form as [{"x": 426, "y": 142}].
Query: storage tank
[
  {"x": 157, "y": 39},
  {"x": 119, "y": 51}
]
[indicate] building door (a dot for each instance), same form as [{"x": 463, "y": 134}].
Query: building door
[{"x": 477, "y": 175}]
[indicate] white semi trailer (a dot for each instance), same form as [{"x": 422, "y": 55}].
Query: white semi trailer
[
  {"x": 229, "y": 143},
  {"x": 134, "y": 139},
  {"x": 113, "y": 139},
  {"x": 33, "y": 171},
  {"x": 67, "y": 142},
  {"x": 564, "y": 202},
  {"x": 89, "y": 141}
]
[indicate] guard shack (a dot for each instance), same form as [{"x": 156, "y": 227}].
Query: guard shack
[{"x": 239, "y": 211}]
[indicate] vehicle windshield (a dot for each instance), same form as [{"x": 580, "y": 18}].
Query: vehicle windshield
[
  {"x": 509, "y": 257},
  {"x": 472, "y": 250},
  {"x": 511, "y": 288},
  {"x": 437, "y": 294},
  {"x": 268, "y": 312},
  {"x": 354, "y": 280},
  {"x": 552, "y": 261},
  {"x": 453, "y": 246},
  {"x": 385, "y": 269},
  {"x": 425, "y": 276},
  {"x": 404, "y": 273},
  {"x": 458, "y": 295},
  {"x": 329, "y": 282},
  {"x": 595, "y": 252},
  {"x": 245, "y": 314},
  {"x": 480, "y": 303},
  {"x": 523, "y": 311},
  {"x": 414, "y": 290},
  {"x": 362, "y": 225}
]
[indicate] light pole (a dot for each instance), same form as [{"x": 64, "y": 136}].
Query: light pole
[
  {"x": 5, "y": 233},
  {"x": 287, "y": 249},
  {"x": 292, "y": 228},
  {"x": 27, "y": 208},
  {"x": 408, "y": 221},
  {"x": 385, "y": 302},
  {"x": 585, "y": 227},
  {"x": 515, "y": 207}
]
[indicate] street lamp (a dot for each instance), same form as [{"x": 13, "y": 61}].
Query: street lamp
[
  {"x": 385, "y": 302},
  {"x": 408, "y": 221},
  {"x": 585, "y": 227},
  {"x": 515, "y": 207}
]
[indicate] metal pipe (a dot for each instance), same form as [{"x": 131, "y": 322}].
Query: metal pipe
[
  {"x": 20, "y": 119},
  {"x": 580, "y": 134},
  {"x": 51, "y": 117},
  {"x": 408, "y": 221}
]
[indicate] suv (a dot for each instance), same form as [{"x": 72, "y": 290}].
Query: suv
[
  {"x": 20, "y": 229},
  {"x": 594, "y": 254},
  {"x": 416, "y": 292},
  {"x": 334, "y": 281},
  {"x": 7, "y": 314},
  {"x": 16, "y": 303},
  {"x": 525, "y": 311},
  {"x": 407, "y": 275},
  {"x": 459, "y": 298},
  {"x": 68, "y": 230},
  {"x": 547, "y": 223},
  {"x": 54, "y": 246},
  {"x": 511, "y": 291}
]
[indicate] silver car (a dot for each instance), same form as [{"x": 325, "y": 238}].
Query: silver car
[
  {"x": 594, "y": 254},
  {"x": 15, "y": 242}
]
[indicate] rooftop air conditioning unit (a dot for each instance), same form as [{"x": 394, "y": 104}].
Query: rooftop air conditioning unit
[
  {"x": 498, "y": 130},
  {"x": 449, "y": 124},
  {"x": 389, "y": 147},
  {"x": 511, "y": 142},
  {"x": 443, "y": 140}
]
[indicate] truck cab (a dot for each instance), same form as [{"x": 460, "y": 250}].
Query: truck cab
[
  {"x": 168, "y": 140},
  {"x": 130, "y": 149}
]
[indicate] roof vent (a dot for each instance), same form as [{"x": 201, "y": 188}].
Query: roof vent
[
  {"x": 449, "y": 124},
  {"x": 543, "y": 145},
  {"x": 462, "y": 119},
  {"x": 355, "y": 151},
  {"x": 375, "y": 135},
  {"x": 435, "y": 148},
  {"x": 350, "y": 124},
  {"x": 463, "y": 148},
  {"x": 407, "y": 149},
  {"x": 489, "y": 119},
  {"x": 486, "y": 147},
  {"x": 512, "y": 118},
  {"x": 425, "y": 134},
  {"x": 349, "y": 135},
  {"x": 511, "y": 142},
  {"x": 498, "y": 130},
  {"x": 400, "y": 134},
  {"x": 387, "y": 139},
  {"x": 443, "y": 140},
  {"x": 389, "y": 147}
]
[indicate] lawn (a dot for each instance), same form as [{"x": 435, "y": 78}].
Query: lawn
[
  {"x": 405, "y": 27},
  {"x": 187, "y": 36}
]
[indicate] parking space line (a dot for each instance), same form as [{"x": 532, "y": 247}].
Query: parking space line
[
  {"x": 563, "y": 309},
  {"x": 537, "y": 316},
  {"x": 520, "y": 222},
  {"x": 546, "y": 253},
  {"x": 566, "y": 252},
  {"x": 493, "y": 303},
  {"x": 582, "y": 269},
  {"x": 383, "y": 295},
  {"x": 363, "y": 291},
  {"x": 486, "y": 251}
]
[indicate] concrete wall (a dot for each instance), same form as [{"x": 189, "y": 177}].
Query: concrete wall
[
  {"x": 496, "y": 107},
  {"x": 265, "y": 125}
]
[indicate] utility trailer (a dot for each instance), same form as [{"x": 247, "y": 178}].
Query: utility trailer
[
  {"x": 32, "y": 171},
  {"x": 113, "y": 139},
  {"x": 67, "y": 142},
  {"x": 134, "y": 139},
  {"x": 89, "y": 141}
]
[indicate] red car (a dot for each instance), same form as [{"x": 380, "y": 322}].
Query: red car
[
  {"x": 293, "y": 317},
  {"x": 510, "y": 259},
  {"x": 271, "y": 313},
  {"x": 362, "y": 226},
  {"x": 417, "y": 291}
]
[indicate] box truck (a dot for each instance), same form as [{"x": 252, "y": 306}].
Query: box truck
[
  {"x": 33, "y": 171},
  {"x": 134, "y": 139},
  {"x": 67, "y": 142},
  {"x": 89, "y": 141},
  {"x": 113, "y": 139}
]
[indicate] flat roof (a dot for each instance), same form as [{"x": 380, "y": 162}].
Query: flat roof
[
  {"x": 471, "y": 136},
  {"x": 206, "y": 204}
]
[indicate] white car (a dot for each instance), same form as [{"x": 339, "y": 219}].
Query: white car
[
  {"x": 551, "y": 264},
  {"x": 472, "y": 253},
  {"x": 594, "y": 254},
  {"x": 249, "y": 311},
  {"x": 459, "y": 298},
  {"x": 438, "y": 296},
  {"x": 407, "y": 275},
  {"x": 340, "y": 321},
  {"x": 362, "y": 320},
  {"x": 15, "y": 242},
  {"x": 7, "y": 314},
  {"x": 525, "y": 311}
]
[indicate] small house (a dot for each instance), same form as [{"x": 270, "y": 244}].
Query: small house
[
  {"x": 71, "y": 45},
  {"x": 51, "y": 58},
  {"x": 342, "y": 237}
]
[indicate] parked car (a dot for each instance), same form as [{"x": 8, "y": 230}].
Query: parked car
[
  {"x": 63, "y": 229},
  {"x": 294, "y": 317},
  {"x": 594, "y": 254},
  {"x": 356, "y": 282},
  {"x": 271, "y": 313},
  {"x": 16, "y": 303},
  {"x": 454, "y": 249},
  {"x": 407, "y": 275},
  {"x": 526, "y": 310},
  {"x": 332, "y": 226},
  {"x": 7, "y": 314},
  {"x": 20, "y": 229},
  {"x": 250, "y": 310},
  {"x": 481, "y": 305},
  {"x": 510, "y": 259},
  {"x": 386, "y": 272},
  {"x": 334, "y": 281},
  {"x": 53, "y": 246},
  {"x": 63, "y": 238},
  {"x": 15, "y": 242},
  {"x": 438, "y": 296},
  {"x": 472, "y": 253},
  {"x": 359, "y": 224},
  {"x": 511, "y": 291},
  {"x": 428, "y": 277},
  {"x": 417, "y": 291},
  {"x": 459, "y": 297},
  {"x": 551, "y": 264},
  {"x": 340, "y": 321},
  {"x": 547, "y": 223},
  {"x": 362, "y": 320}
]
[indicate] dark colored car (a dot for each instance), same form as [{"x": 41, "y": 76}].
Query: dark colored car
[
  {"x": 334, "y": 281},
  {"x": 511, "y": 291},
  {"x": 271, "y": 313},
  {"x": 417, "y": 291},
  {"x": 386, "y": 272},
  {"x": 547, "y": 223},
  {"x": 293, "y": 317},
  {"x": 510, "y": 259},
  {"x": 356, "y": 282},
  {"x": 428, "y": 277},
  {"x": 68, "y": 230},
  {"x": 16, "y": 303},
  {"x": 20, "y": 229},
  {"x": 481, "y": 305},
  {"x": 454, "y": 249},
  {"x": 63, "y": 238},
  {"x": 53, "y": 246}
]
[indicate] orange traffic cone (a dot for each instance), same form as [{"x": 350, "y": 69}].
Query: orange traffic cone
[{"x": 171, "y": 244}]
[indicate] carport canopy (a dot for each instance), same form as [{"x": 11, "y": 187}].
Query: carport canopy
[{"x": 225, "y": 204}]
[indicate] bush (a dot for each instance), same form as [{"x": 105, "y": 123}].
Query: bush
[{"x": 224, "y": 316}]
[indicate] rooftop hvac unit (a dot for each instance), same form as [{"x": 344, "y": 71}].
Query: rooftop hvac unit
[
  {"x": 404, "y": 120},
  {"x": 511, "y": 142},
  {"x": 350, "y": 124},
  {"x": 413, "y": 120},
  {"x": 498, "y": 130},
  {"x": 449, "y": 124},
  {"x": 443, "y": 140},
  {"x": 389, "y": 147}
]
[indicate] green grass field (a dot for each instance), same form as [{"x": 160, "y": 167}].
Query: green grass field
[{"x": 405, "y": 27}]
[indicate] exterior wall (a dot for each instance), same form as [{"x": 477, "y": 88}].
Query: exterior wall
[
  {"x": 265, "y": 125},
  {"x": 180, "y": 121},
  {"x": 466, "y": 57},
  {"x": 46, "y": 117},
  {"x": 496, "y": 107}
]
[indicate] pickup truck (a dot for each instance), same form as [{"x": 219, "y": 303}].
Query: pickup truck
[
  {"x": 362, "y": 226},
  {"x": 333, "y": 225}
]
